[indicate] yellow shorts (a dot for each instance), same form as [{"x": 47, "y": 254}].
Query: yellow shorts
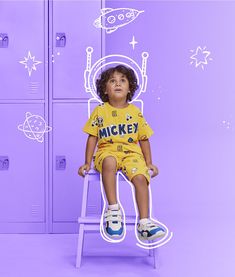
[{"x": 131, "y": 164}]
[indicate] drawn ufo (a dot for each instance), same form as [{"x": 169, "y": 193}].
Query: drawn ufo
[{"x": 112, "y": 19}]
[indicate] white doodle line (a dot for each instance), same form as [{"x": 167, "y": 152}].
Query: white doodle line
[
  {"x": 90, "y": 73},
  {"x": 29, "y": 63},
  {"x": 133, "y": 42},
  {"x": 141, "y": 244},
  {"x": 196, "y": 56},
  {"x": 34, "y": 133},
  {"x": 112, "y": 19}
]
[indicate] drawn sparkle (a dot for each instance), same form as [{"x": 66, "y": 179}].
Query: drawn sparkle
[
  {"x": 200, "y": 56},
  {"x": 133, "y": 42},
  {"x": 30, "y": 63}
]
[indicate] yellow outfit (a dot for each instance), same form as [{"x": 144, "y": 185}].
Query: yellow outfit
[{"x": 118, "y": 131}]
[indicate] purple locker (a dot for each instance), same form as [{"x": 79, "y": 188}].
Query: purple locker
[
  {"x": 68, "y": 154},
  {"x": 71, "y": 37},
  {"x": 22, "y": 49},
  {"x": 22, "y": 178}
]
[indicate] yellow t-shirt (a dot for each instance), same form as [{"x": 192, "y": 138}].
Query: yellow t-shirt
[{"x": 118, "y": 129}]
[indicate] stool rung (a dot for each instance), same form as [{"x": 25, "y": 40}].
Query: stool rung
[{"x": 96, "y": 220}]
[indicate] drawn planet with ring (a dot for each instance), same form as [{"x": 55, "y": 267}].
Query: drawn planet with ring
[{"x": 34, "y": 127}]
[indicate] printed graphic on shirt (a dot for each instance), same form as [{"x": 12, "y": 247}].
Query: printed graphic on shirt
[
  {"x": 119, "y": 148},
  {"x": 114, "y": 113},
  {"x": 124, "y": 170},
  {"x": 133, "y": 170},
  {"x": 118, "y": 127},
  {"x": 144, "y": 137},
  {"x": 128, "y": 117},
  {"x": 97, "y": 122}
]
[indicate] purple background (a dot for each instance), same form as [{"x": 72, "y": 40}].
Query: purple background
[{"x": 194, "y": 150}]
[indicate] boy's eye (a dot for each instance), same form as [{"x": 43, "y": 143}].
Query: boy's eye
[{"x": 123, "y": 80}]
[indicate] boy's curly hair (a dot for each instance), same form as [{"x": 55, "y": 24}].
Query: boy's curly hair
[{"x": 106, "y": 75}]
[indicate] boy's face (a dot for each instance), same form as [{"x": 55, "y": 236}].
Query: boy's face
[{"x": 117, "y": 86}]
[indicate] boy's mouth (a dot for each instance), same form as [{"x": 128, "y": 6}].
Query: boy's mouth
[{"x": 118, "y": 90}]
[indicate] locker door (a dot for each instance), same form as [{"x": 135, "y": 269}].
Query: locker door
[
  {"x": 22, "y": 40},
  {"x": 68, "y": 154},
  {"x": 22, "y": 179},
  {"x": 73, "y": 32}
]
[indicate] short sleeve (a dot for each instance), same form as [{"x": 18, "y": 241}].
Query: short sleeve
[
  {"x": 91, "y": 126},
  {"x": 144, "y": 130}
]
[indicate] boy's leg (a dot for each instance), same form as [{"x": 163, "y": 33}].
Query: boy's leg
[
  {"x": 113, "y": 216},
  {"x": 147, "y": 229},
  {"x": 109, "y": 166},
  {"x": 141, "y": 195}
]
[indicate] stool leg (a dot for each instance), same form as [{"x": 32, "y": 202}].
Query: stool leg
[
  {"x": 155, "y": 257},
  {"x": 151, "y": 251},
  {"x": 80, "y": 245}
]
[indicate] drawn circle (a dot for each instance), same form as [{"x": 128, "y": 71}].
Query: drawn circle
[
  {"x": 120, "y": 16},
  {"x": 111, "y": 19},
  {"x": 128, "y": 15},
  {"x": 112, "y": 61},
  {"x": 89, "y": 49},
  {"x": 145, "y": 55}
]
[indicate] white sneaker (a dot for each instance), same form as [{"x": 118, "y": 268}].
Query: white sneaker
[
  {"x": 114, "y": 224},
  {"x": 150, "y": 231}
]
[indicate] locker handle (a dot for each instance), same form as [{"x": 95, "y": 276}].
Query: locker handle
[
  {"x": 4, "y": 40},
  {"x": 60, "y": 39},
  {"x": 60, "y": 162},
  {"x": 4, "y": 163}
]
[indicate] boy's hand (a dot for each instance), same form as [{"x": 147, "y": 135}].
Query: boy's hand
[
  {"x": 154, "y": 170},
  {"x": 84, "y": 168}
]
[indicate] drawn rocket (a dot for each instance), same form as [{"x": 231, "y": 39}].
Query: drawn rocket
[{"x": 112, "y": 19}]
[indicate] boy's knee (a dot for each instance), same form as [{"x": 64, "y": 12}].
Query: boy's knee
[
  {"x": 109, "y": 163},
  {"x": 139, "y": 179}
]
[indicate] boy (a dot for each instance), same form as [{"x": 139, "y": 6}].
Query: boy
[{"x": 118, "y": 127}]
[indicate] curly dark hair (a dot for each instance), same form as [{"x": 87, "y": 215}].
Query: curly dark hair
[{"x": 106, "y": 75}]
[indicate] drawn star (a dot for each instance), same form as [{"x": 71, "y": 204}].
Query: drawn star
[
  {"x": 200, "y": 57},
  {"x": 30, "y": 63},
  {"x": 133, "y": 42}
]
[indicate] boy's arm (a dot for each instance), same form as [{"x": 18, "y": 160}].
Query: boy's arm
[
  {"x": 90, "y": 148},
  {"x": 145, "y": 147}
]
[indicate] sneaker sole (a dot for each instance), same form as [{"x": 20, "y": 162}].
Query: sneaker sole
[
  {"x": 155, "y": 236},
  {"x": 113, "y": 236}
]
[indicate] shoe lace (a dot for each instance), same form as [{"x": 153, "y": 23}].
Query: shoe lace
[
  {"x": 150, "y": 224},
  {"x": 113, "y": 215}
]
